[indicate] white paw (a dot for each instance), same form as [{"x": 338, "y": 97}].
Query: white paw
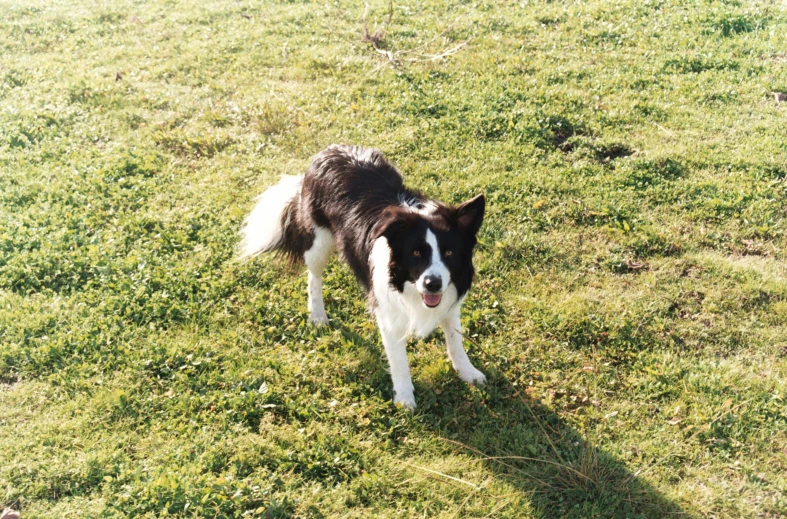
[
  {"x": 406, "y": 401},
  {"x": 318, "y": 319},
  {"x": 472, "y": 376}
]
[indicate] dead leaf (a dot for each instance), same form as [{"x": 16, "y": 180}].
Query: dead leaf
[
  {"x": 780, "y": 97},
  {"x": 9, "y": 514}
]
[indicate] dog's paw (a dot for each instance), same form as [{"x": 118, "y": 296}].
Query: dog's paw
[
  {"x": 473, "y": 376},
  {"x": 405, "y": 401},
  {"x": 318, "y": 319}
]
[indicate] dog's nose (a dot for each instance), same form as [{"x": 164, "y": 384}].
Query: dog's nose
[{"x": 433, "y": 283}]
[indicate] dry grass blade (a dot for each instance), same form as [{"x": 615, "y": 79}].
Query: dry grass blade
[
  {"x": 522, "y": 458},
  {"x": 497, "y": 459},
  {"x": 452, "y": 478},
  {"x": 497, "y": 509},
  {"x": 522, "y": 399}
]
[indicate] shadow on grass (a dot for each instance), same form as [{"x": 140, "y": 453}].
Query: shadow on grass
[{"x": 559, "y": 470}]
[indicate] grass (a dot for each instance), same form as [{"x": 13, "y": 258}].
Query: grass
[{"x": 630, "y": 308}]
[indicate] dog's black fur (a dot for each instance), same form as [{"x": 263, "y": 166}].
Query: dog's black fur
[{"x": 357, "y": 194}]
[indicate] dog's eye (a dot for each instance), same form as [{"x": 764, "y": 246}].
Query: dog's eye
[
  {"x": 417, "y": 253},
  {"x": 449, "y": 252}
]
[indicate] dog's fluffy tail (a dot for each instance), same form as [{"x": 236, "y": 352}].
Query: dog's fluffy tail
[{"x": 263, "y": 230}]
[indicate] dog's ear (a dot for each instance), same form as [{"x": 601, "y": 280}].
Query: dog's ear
[
  {"x": 394, "y": 220},
  {"x": 470, "y": 214}
]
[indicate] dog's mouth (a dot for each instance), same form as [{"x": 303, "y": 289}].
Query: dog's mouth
[{"x": 432, "y": 300}]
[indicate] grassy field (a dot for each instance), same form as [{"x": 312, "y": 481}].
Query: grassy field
[{"x": 630, "y": 308}]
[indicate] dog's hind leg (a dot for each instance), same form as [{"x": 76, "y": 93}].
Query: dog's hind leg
[{"x": 316, "y": 258}]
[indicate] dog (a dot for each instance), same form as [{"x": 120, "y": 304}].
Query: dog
[{"x": 413, "y": 255}]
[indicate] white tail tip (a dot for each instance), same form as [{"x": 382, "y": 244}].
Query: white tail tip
[{"x": 263, "y": 229}]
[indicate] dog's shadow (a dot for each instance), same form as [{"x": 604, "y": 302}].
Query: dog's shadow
[{"x": 557, "y": 468}]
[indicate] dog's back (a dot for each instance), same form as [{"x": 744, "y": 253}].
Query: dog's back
[{"x": 344, "y": 191}]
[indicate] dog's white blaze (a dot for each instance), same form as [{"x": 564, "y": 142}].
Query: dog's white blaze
[
  {"x": 316, "y": 259},
  {"x": 262, "y": 231},
  {"x": 436, "y": 267}
]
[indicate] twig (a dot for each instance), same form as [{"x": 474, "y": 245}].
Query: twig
[
  {"x": 435, "y": 57},
  {"x": 378, "y": 36},
  {"x": 394, "y": 57}
]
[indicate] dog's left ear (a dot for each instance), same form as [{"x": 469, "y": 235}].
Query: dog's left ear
[{"x": 470, "y": 214}]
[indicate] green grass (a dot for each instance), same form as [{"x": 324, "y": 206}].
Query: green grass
[{"x": 630, "y": 309}]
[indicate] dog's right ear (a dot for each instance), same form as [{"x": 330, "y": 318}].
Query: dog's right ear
[{"x": 393, "y": 221}]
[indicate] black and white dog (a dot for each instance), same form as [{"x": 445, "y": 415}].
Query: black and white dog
[{"x": 414, "y": 256}]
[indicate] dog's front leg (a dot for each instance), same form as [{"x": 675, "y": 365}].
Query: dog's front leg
[
  {"x": 452, "y": 327},
  {"x": 395, "y": 344}
]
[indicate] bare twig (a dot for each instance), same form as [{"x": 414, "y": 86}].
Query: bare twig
[
  {"x": 435, "y": 57},
  {"x": 377, "y": 38}
]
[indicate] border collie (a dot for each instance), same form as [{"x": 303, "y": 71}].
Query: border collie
[{"x": 412, "y": 255}]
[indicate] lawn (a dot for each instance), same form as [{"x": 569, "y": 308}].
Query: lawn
[{"x": 630, "y": 304}]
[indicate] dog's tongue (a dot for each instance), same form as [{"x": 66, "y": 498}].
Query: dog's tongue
[{"x": 432, "y": 300}]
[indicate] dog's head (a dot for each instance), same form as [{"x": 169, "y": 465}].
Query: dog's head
[{"x": 434, "y": 249}]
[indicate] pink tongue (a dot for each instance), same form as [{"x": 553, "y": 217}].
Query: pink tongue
[{"x": 432, "y": 299}]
